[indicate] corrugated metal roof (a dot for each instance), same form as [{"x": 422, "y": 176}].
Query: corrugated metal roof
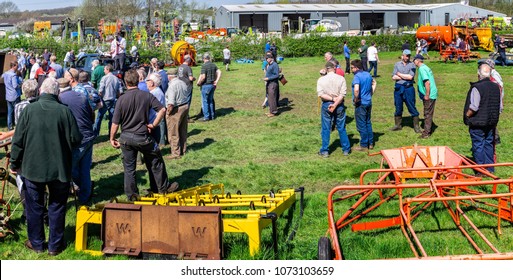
[{"x": 320, "y": 7}]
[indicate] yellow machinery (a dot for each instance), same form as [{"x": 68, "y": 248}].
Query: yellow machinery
[
  {"x": 40, "y": 26},
  {"x": 180, "y": 49},
  {"x": 248, "y": 214}
]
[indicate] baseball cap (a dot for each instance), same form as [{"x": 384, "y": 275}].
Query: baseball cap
[
  {"x": 487, "y": 61},
  {"x": 407, "y": 52},
  {"x": 418, "y": 56},
  {"x": 206, "y": 56}
]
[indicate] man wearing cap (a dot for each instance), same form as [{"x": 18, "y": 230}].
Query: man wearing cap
[
  {"x": 496, "y": 78},
  {"x": 78, "y": 103},
  {"x": 177, "y": 98},
  {"x": 331, "y": 88},
  {"x": 428, "y": 93},
  {"x": 208, "y": 80},
  {"x": 404, "y": 92},
  {"x": 481, "y": 114},
  {"x": 363, "y": 87},
  {"x": 131, "y": 114},
  {"x": 272, "y": 74}
]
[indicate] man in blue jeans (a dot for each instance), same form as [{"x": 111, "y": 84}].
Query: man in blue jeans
[
  {"x": 208, "y": 80},
  {"x": 363, "y": 86},
  {"x": 331, "y": 89},
  {"x": 12, "y": 92},
  {"x": 481, "y": 114},
  {"x": 404, "y": 92}
]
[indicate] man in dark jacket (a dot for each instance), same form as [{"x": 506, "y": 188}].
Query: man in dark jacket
[
  {"x": 41, "y": 152},
  {"x": 481, "y": 114}
]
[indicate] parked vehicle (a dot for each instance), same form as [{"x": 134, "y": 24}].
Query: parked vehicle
[
  {"x": 327, "y": 25},
  {"x": 497, "y": 59}
]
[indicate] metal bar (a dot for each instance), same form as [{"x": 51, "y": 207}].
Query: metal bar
[{"x": 477, "y": 230}]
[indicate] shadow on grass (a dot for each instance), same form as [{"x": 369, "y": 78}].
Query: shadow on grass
[
  {"x": 194, "y": 132},
  {"x": 192, "y": 177},
  {"x": 224, "y": 112},
  {"x": 106, "y": 160},
  {"x": 198, "y": 146}
]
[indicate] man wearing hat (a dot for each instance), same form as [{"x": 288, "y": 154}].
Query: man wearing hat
[
  {"x": 496, "y": 78},
  {"x": 208, "y": 80},
  {"x": 427, "y": 93},
  {"x": 177, "y": 98},
  {"x": 272, "y": 74},
  {"x": 331, "y": 88},
  {"x": 481, "y": 114},
  {"x": 404, "y": 92}
]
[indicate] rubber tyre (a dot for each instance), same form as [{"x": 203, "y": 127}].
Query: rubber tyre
[{"x": 324, "y": 251}]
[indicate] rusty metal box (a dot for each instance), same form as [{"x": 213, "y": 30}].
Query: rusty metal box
[
  {"x": 201, "y": 232},
  {"x": 179, "y": 232},
  {"x": 121, "y": 229}
]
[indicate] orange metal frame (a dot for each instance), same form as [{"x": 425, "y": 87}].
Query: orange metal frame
[{"x": 447, "y": 185}]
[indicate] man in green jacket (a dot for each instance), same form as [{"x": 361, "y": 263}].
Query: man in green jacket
[
  {"x": 97, "y": 74},
  {"x": 42, "y": 154}
]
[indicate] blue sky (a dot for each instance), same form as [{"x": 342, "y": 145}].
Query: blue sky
[{"x": 50, "y": 4}]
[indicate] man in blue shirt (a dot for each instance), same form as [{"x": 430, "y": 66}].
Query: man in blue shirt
[
  {"x": 271, "y": 77},
  {"x": 363, "y": 87},
  {"x": 347, "y": 55},
  {"x": 12, "y": 92}
]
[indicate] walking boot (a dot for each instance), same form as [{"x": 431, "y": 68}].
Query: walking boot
[
  {"x": 416, "y": 125},
  {"x": 397, "y": 126}
]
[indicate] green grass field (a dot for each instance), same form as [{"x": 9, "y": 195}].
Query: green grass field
[{"x": 246, "y": 151}]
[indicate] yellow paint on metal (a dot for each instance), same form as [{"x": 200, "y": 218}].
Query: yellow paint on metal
[{"x": 245, "y": 218}]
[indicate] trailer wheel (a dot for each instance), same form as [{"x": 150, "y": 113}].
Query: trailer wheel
[{"x": 324, "y": 251}]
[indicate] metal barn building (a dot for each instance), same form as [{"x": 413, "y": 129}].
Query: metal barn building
[{"x": 268, "y": 17}]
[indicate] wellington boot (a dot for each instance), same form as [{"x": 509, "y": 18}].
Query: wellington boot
[
  {"x": 397, "y": 126},
  {"x": 416, "y": 125}
]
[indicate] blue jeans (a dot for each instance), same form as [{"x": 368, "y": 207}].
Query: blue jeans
[
  {"x": 34, "y": 201},
  {"x": 404, "y": 94},
  {"x": 339, "y": 116},
  {"x": 108, "y": 105},
  {"x": 362, "y": 115},
  {"x": 81, "y": 169},
  {"x": 483, "y": 145},
  {"x": 373, "y": 65},
  {"x": 10, "y": 112},
  {"x": 207, "y": 101}
]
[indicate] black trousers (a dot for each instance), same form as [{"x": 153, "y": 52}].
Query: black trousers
[{"x": 131, "y": 144}]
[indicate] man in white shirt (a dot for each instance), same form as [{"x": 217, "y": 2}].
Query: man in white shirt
[
  {"x": 33, "y": 69},
  {"x": 227, "y": 56},
  {"x": 118, "y": 47},
  {"x": 372, "y": 55}
]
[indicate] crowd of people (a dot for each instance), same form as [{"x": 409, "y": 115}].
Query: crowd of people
[
  {"x": 152, "y": 110},
  {"x": 481, "y": 113},
  {"x": 150, "y": 107}
]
